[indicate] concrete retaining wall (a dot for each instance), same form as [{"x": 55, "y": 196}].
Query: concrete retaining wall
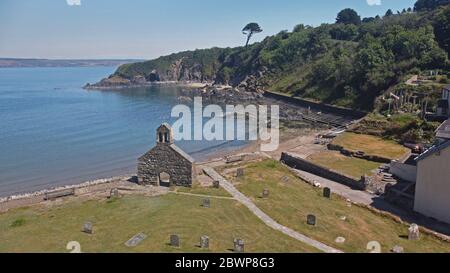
[
  {"x": 404, "y": 171},
  {"x": 304, "y": 165}
]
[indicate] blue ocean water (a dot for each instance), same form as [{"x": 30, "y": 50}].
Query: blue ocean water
[{"x": 52, "y": 132}]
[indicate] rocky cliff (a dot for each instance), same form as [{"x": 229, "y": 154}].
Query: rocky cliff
[{"x": 341, "y": 64}]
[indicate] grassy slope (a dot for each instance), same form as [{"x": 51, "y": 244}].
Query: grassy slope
[
  {"x": 333, "y": 63},
  {"x": 290, "y": 202},
  {"x": 44, "y": 229},
  {"x": 350, "y": 166},
  {"x": 371, "y": 145}
]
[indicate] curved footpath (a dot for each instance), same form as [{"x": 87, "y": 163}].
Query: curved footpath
[{"x": 264, "y": 217}]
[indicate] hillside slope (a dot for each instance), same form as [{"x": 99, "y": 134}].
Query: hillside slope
[{"x": 342, "y": 64}]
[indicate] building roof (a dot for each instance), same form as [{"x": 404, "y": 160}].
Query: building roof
[
  {"x": 447, "y": 87},
  {"x": 182, "y": 153},
  {"x": 433, "y": 150},
  {"x": 165, "y": 125},
  {"x": 443, "y": 104},
  {"x": 443, "y": 130}
]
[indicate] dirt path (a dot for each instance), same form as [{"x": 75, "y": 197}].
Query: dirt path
[
  {"x": 264, "y": 217},
  {"x": 202, "y": 195}
]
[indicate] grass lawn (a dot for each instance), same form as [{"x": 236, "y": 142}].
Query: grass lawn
[
  {"x": 350, "y": 166},
  {"x": 198, "y": 189},
  {"x": 371, "y": 145},
  {"x": 290, "y": 202},
  {"x": 50, "y": 228}
]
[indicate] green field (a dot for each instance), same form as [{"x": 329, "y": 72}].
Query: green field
[
  {"x": 50, "y": 228},
  {"x": 350, "y": 166},
  {"x": 290, "y": 202},
  {"x": 371, "y": 145}
]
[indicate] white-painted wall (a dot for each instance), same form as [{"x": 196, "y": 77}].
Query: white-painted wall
[
  {"x": 404, "y": 171},
  {"x": 433, "y": 186}
]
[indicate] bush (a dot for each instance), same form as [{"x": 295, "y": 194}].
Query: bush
[
  {"x": 18, "y": 223},
  {"x": 444, "y": 79}
]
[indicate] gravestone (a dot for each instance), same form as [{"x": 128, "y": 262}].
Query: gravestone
[
  {"x": 88, "y": 228},
  {"x": 340, "y": 240},
  {"x": 327, "y": 193},
  {"x": 398, "y": 249},
  {"x": 414, "y": 232},
  {"x": 311, "y": 220},
  {"x": 216, "y": 184},
  {"x": 349, "y": 203},
  {"x": 204, "y": 242},
  {"x": 240, "y": 172},
  {"x": 238, "y": 245},
  {"x": 114, "y": 193},
  {"x": 265, "y": 193},
  {"x": 175, "y": 240},
  {"x": 206, "y": 203},
  {"x": 137, "y": 239}
]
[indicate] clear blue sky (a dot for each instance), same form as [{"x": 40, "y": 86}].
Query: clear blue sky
[{"x": 150, "y": 28}]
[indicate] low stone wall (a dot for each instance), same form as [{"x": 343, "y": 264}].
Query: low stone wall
[
  {"x": 379, "y": 159},
  {"x": 304, "y": 165},
  {"x": 317, "y": 106}
]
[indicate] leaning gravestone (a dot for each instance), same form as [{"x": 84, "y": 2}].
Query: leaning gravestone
[
  {"x": 327, "y": 193},
  {"x": 206, "y": 203},
  {"x": 240, "y": 172},
  {"x": 265, "y": 193},
  {"x": 414, "y": 232},
  {"x": 88, "y": 228},
  {"x": 216, "y": 184},
  {"x": 137, "y": 239},
  {"x": 175, "y": 240},
  {"x": 204, "y": 242},
  {"x": 238, "y": 245},
  {"x": 311, "y": 220}
]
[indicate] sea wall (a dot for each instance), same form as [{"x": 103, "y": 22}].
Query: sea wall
[{"x": 317, "y": 106}]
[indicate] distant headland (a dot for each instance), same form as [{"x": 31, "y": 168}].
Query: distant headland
[{"x": 19, "y": 62}]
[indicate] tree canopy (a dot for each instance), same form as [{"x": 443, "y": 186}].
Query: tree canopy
[
  {"x": 251, "y": 29},
  {"x": 422, "y": 5},
  {"x": 348, "y": 16},
  {"x": 389, "y": 12}
]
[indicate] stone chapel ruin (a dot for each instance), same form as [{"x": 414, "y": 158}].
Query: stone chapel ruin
[{"x": 166, "y": 164}]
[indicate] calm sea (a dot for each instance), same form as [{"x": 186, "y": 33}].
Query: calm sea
[{"x": 53, "y": 133}]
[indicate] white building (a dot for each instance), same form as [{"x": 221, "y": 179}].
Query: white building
[
  {"x": 432, "y": 197},
  {"x": 443, "y": 108}
]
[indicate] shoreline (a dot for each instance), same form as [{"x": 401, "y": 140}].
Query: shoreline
[
  {"x": 251, "y": 147},
  {"x": 75, "y": 186},
  {"x": 193, "y": 85}
]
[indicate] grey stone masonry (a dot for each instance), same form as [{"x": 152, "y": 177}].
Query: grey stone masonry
[{"x": 166, "y": 158}]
